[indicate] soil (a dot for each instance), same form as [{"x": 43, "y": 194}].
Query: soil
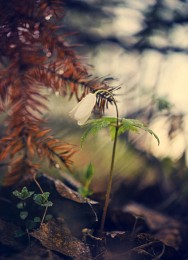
[{"x": 148, "y": 224}]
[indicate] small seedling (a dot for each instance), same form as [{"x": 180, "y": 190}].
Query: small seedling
[
  {"x": 85, "y": 191},
  {"x": 42, "y": 200},
  {"x": 39, "y": 199},
  {"x": 24, "y": 194}
]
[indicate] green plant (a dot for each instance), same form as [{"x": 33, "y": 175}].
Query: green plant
[
  {"x": 116, "y": 125},
  {"x": 39, "y": 199},
  {"x": 23, "y": 195},
  {"x": 84, "y": 190}
]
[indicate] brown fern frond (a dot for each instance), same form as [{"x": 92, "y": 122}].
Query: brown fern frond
[
  {"x": 17, "y": 168},
  {"x": 64, "y": 79},
  {"x": 51, "y": 148},
  {"x": 56, "y": 151},
  {"x": 34, "y": 54}
]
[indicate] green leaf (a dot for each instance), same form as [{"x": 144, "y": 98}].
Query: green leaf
[
  {"x": 47, "y": 204},
  {"x": 85, "y": 192},
  {"x": 23, "y": 215},
  {"x": 37, "y": 220},
  {"x": 89, "y": 172},
  {"x": 38, "y": 198},
  {"x": 48, "y": 217},
  {"x": 46, "y": 195},
  {"x": 42, "y": 199},
  {"x": 20, "y": 205},
  {"x": 94, "y": 126},
  {"x": 16, "y": 193},
  {"x": 122, "y": 129},
  {"x": 24, "y": 194},
  {"x": 134, "y": 125}
]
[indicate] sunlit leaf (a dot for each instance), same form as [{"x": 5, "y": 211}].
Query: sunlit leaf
[
  {"x": 94, "y": 126},
  {"x": 133, "y": 125}
]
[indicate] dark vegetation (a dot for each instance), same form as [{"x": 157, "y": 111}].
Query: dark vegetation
[{"x": 144, "y": 221}]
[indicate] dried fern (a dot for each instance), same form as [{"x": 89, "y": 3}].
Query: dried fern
[{"x": 34, "y": 55}]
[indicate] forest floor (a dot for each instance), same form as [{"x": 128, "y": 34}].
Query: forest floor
[{"x": 148, "y": 223}]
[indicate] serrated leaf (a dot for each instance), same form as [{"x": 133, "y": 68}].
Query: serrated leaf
[
  {"x": 24, "y": 194},
  {"x": 121, "y": 129},
  {"x": 94, "y": 126},
  {"x": 23, "y": 215},
  {"x": 38, "y": 199},
  {"x": 135, "y": 125},
  {"x": 42, "y": 199}
]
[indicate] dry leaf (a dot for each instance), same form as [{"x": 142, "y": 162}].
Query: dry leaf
[{"x": 56, "y": 236}]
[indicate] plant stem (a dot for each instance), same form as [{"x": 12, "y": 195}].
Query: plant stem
[
  {"x": 45, "y": 211},
  {"x": 109, "y": 187},
  {"x": 38, "y": 185},
  {"x": 107, "y": 199},
  {"x": 41, "y": 190}
]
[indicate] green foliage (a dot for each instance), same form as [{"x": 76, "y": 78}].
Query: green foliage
[
  {"x": 133, "y": 125},
  {"x": 20, "y": 205},
  {"x": 37, "y": 219},
  {"x": 85, "y": 191},
  {"x": 24, "y": 194},
  {"x": 162, "y": 103},
  {"x": 23, "y": 215},
  {"x": 42, "y": 199},
  {"x": 39, "y": 199},
  {"x": 48, "y": 217},
  {"x": 94, "y": 126}
]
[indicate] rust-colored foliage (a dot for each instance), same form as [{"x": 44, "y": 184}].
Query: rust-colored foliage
[{"x": 33, "y": 56}]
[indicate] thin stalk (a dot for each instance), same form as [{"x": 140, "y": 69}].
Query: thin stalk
[
  {"x": 109, "y": 186},
  {"x": 41, "y": 190},
  {"x": 38, "y": 185},
  {"x": 45, "y": 211}
]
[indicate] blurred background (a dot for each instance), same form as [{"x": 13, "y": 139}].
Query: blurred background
[{"x": 143, "y": 46}]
